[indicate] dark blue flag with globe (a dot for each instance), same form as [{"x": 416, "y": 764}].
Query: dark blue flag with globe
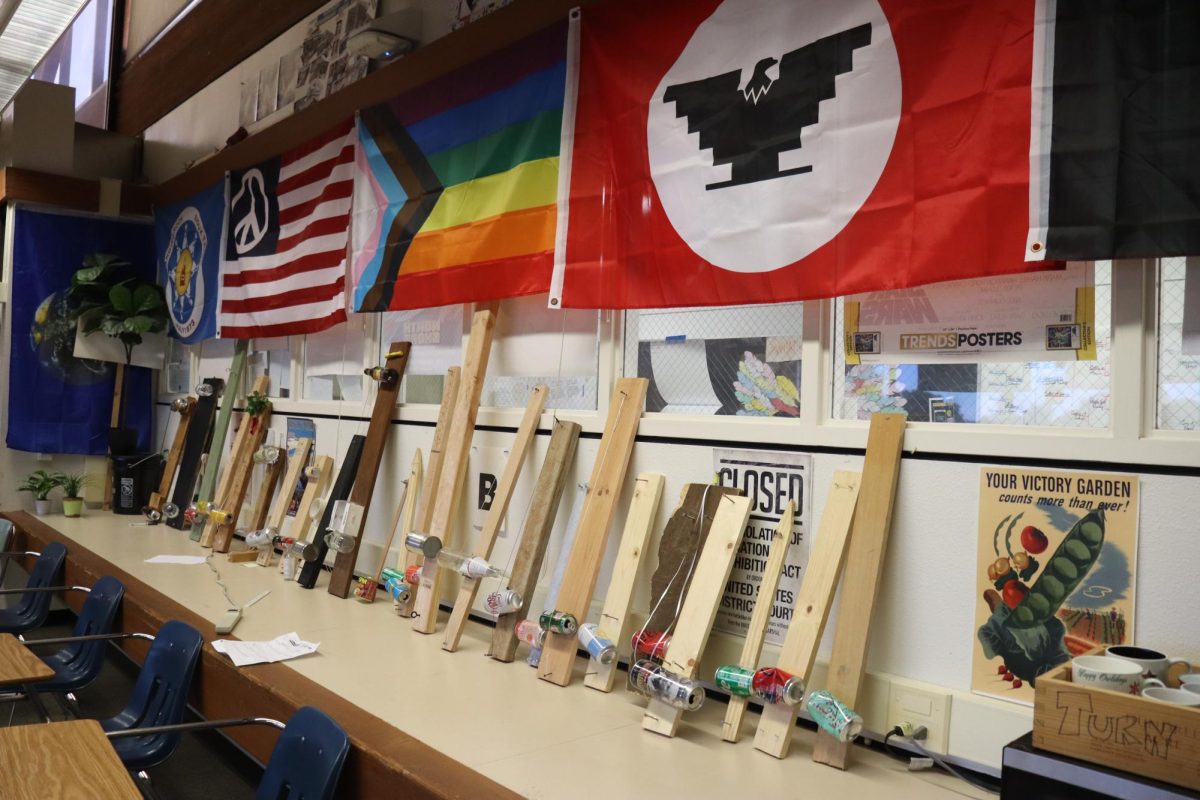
[
  {"x": 187, "y": 238},
  {"x": 58, "y": 403}
]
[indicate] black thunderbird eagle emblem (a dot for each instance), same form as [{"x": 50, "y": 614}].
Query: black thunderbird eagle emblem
[{"x": 748, "y": 126}]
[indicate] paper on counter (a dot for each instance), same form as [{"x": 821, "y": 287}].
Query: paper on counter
[
  {"x": 281, "y": 648},
  {"x": 176, "y": 560}
]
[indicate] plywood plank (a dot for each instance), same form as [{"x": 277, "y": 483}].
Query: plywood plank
[
  {"x": 314, "y": 490},
  {"x": 864, "y": 567},
  {"x": 614, "y": 618},
  {"x": 458, "y": 445},
  {"x": 799, "y": 653},
  {"x": 232, "y": 492},
  {"x": 756, "y": 630},
  {"x": 433, "y": 469},
  {"x": 604, "y": 488},
  {"x": 378, "y": 431},
  {"x": 343, "y": 484},
  {"x": 495, "y": 518},
  {"x": 291, "y": 479},
  {"x": 220, "y": 431},
  {"x": 700, "y": 606},
  {"x": 266, "y": 491},
  {"x": 539, "y": 522},
  {"x": 406, "y": 513},
  {"x": 159, "y": 496}
]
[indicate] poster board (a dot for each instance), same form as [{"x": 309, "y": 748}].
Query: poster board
[{"x": 1038, "y": 535}]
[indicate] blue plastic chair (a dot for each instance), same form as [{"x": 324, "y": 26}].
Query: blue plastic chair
[
  {"x": 79, "y": 662},
  {"x": 159, "y": 697},
  {"x": 307, "y": 759},
  {"x": 31, "y": 612}
]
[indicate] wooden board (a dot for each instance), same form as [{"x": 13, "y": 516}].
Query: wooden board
[
  {"x": 406, "y": 514},
  {"x": 159, "y": 496},
  {"x": 680, "y": 544},
  {"x": 495, "y": 517},
  {"x": 614, "y": 618},
  {"x": 190, "y": 463},
  {"x": 756, "y": 630},
  {"x": 19, "y": 664},
  {"x": 826, "y": 557},
  {"x": 70, "y": 759},
  {"x": 433, "y": 470},
  {"x": 340, "y": 491},
  {"x": 864, "y": 569},
  {"x": 604, "y": 489},
  {"x": 368, "y": 466},
  {"x": 458, "y": 444},
  {"x": 239, "y": 485},
  {"x": 266, "y": 491},
  {"x": 314, "y": 490},
  {"x": 535, "y": 534},
  {"x": 291, "y": 479},
  {"x": 220, "y": 430},
  {"x": 700, "y": 606},
  {"x": 113, "y": 422}
]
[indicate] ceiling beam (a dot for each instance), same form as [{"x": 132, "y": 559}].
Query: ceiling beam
[{"x": 213, "y": 38}]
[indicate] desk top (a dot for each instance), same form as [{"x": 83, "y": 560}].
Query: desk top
[
  {"x": 538, "y": 739},
  {"x": 68, "y": 760},
  {"x": 18, "y": 664}
]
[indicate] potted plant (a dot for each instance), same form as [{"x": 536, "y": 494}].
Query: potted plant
[
  {"x": 72, "y": 486},
  {"x": 41, "y": 483}
]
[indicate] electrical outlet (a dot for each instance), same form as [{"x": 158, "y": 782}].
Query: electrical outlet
[{"x": 920, "y": 704}]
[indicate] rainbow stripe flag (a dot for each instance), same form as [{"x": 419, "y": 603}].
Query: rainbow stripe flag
[{"x": 456, "y": 183}]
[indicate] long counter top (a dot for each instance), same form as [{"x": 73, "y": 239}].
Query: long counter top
[{"x": 427, "y": 723}]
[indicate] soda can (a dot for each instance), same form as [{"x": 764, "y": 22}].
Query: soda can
[
  {"x": 413, "y": 574},
  {"x": 287, "y": 565},
  {"x": 530, "y": 633},
  {"x": 651, "y": 679},
  {"x": 773, "y": 685},
  {"x": 505, "y": 602},
  {"x": 651, "y": 644},
  {"x": 738, "y": 681},
  {"x": 558, "y": 622},
  {"x": 598, "y": 647},
  {"x": 835, "y": 717},
  {"x": 401, "y": 592}
]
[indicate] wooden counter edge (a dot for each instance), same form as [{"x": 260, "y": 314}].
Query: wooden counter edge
[{"x": 384, "y": 761}]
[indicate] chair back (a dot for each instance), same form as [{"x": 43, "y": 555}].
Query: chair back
[
  {"x": 307, "y": 759},
  {"x": 159, "y": 696},
  {"x": 6, "y": 534},
  {"x": 80, "y": 662},
  {"x": 47, "y": 571}
]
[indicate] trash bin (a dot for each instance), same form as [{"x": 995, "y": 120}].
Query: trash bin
[{"x": 135, "y": 477}]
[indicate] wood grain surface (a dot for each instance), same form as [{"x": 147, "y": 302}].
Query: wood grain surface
[
  {"x": 18, "y": 664},
  {"x": 62, "y": 760}
]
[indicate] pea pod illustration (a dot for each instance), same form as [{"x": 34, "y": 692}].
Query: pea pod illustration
[{"x": 1064, "y": 571}]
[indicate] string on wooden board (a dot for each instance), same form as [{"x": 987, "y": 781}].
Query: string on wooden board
[
  {"x": 562, "y": 557},
  {"x": 660, "y": 646}
]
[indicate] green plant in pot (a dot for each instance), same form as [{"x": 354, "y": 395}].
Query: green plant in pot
[
  {"x": 41, "y": 484},
  {"x": 72, "y": 486},
  {"x": 110, "y": 300}
]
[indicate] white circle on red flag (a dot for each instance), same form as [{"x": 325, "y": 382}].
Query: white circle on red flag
[{"x": 749, "y": 199}]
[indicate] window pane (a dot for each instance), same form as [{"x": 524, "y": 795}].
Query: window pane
[
  {"x": 1178, "y": 374},
  {"x": 273, "y": 358},
  {"x": 1071, "y": 394},
  {"x": 333, "y": 361},
  {"x": 177, "y": 378},
  {"x": 535, "y": 344},
  {"x": 742, "y": 360},
  {"x": 437, "y": 338}
]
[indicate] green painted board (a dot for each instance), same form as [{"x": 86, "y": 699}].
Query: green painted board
[{"x": 208, "y": 483}]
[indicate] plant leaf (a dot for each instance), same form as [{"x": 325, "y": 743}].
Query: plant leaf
[
  {"x": 121, "y": 298},
  {"x": 146, "y": 297}
]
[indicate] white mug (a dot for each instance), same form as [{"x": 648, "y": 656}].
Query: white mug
[
  {"x": 1114, "y": 674},
  {"x": 1153, "y": 663},
  {"x": 1176, "y": 697},
  {"x": 1190, "y": 679}
]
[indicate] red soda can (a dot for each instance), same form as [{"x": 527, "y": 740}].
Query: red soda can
[
  {"x": 651, "y": 644},
  {"x": 772, "y": 685}
]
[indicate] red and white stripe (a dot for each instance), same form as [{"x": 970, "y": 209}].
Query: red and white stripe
[{"x": 301, "y": 287}]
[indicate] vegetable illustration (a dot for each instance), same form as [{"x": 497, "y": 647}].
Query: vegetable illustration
[
  {"x": 1064, "y": 571},
  {"x": 1014, "y": 592},
  {"x": 1034, "y": 540}
]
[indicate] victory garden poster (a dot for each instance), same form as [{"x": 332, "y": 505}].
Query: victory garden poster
[{"x": 1055, "y": 572}]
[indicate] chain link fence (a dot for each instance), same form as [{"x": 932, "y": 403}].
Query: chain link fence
[
  {"x": 733, "y": 360},
  {"x": 1178, "y": 407}
]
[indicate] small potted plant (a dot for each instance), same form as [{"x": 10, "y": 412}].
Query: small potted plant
[
  {"x": 72, "y": 486},
  {"x": 41, "y": 483}
]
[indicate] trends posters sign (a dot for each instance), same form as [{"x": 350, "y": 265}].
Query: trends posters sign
[
  {"x": 1055, "y": 572},
  {"x": 770, "y": 480},
  {"x": 1045, "y": 316}
]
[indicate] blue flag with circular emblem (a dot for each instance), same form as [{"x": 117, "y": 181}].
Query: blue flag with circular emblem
[{"x": 188, "y": 242}]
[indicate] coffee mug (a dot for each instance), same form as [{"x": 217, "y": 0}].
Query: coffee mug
[
  {"x": 1114, "y": 674},
  {"x": 1189, "y": 679},
  {"x": 1191, "y": 686},
  {"x": 1176, "y": 697},
  {"x": 1154, "y": 664}
]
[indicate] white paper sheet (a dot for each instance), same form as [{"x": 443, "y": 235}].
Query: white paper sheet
[
  {"x": 681, "y": 375},
  {"x": 176, "y": 560},
  {"x": 281, "y": 648}
]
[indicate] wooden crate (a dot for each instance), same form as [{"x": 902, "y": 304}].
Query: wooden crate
[{"x": 1122, "y": 731}]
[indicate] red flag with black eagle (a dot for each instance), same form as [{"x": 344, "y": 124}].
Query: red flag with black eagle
[{"x": 751, "y": 151}]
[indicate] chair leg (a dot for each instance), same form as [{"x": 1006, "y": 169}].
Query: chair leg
[
  {"x": 36, "y": 698},
  {"x": 70, "y": 705},
  {"x": 142, "y": 780}
]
